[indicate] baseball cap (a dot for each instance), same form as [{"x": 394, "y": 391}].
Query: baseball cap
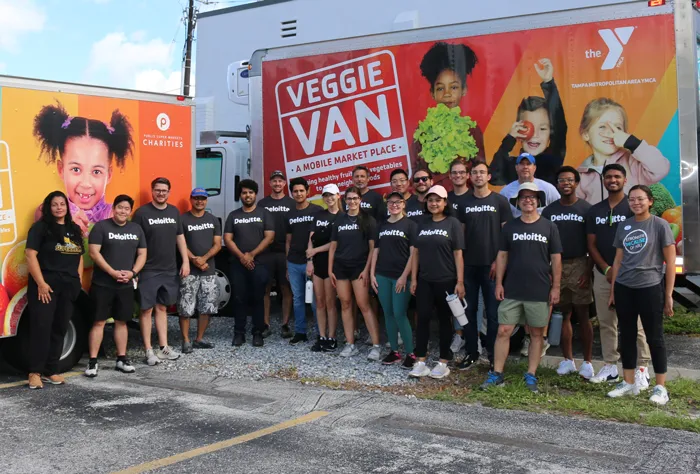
[
  {"x": 437, "y": 189},
  {"x": 529, "y": 186},
  {"x": 277, "y": 174},
  {"x": 525, "y": 156},
  {"x": 330, "y": 189},
  {"x": 199, "y": 192},
  {"x": 394, "y": 193}
]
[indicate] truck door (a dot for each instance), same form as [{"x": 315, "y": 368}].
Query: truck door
[{"x": 209, "y": 172}]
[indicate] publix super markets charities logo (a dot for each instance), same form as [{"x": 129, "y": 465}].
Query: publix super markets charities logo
[{"x": 162, "y": 141}]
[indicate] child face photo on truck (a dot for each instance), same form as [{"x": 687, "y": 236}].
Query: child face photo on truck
[
  {"x": 600, "y": 135},
  {"x": 539, "y": 141},
  {"x": 86, "y": 170}
]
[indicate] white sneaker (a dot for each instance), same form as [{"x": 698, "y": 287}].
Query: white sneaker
[
  {"x": 388, "y": 344},
  {"x": 419, "y": 370},
  {"x": 659, "y": 396},
  {"x": 375, "y": 353},
  {"x": 624, "y": 389},
  {"x": 91, "y": 371},
  {"x": 440, "y": 371},
  {"x": 586, "y": 371},
  {"x": 607, "y": 374},
  {"x": 457, "y": 343},
  {"x": 545, "y": 346},
  {"x": 566, "y": 366},
  {"x": 349, "y": 350},
  {"x": 167, "y": 353},
  {"x": 125, "y": 366},
  {"x": 151, "y": 358},
  {"x": 641, "y": 378},
  {"x": 368, "y": 341},
  {"x": 525, "y": 351}
]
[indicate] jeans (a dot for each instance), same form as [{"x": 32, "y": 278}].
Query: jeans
[
  {"x": 297, "y": 280},
  {"x": 475, "y": 278},
  {"x": 248, "y": 294},
  {"x": 431, "y": 295},
  {"x": 395, "y": 307}
]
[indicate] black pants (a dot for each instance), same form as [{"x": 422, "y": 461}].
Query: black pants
[
  {"x": 431, "y": 295},
  {"x": 48, "y": 323},
  {"x": 248, "y": 294},
  {"x": 477, "y": 278},
  {"x": 648, "y": 305}
]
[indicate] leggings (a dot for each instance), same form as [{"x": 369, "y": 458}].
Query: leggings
[
  {"x": 395, "y": 306},
  {"x": 431, "y": 295},
  {"x": 647, "y": 304}
]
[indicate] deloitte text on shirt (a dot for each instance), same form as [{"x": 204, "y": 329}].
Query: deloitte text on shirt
[
  {"x": 299, "y": 224},
  {"x": 394, "y": 242},
  {"x": 571, "y": 222},
  {"x": 602, "y": 222},
  {"x": 436, "y": 243},
  {"x": 353, "y": 245},
  {"x": 279, "y": 209},
  {"x": 415, "y": 209},
  {"x": 248, "y": 228},
  {"x": 118, "y": 246},
  {"x": 482, "y": 219},
  {"x": 161, "y": 226},
  {"x": 199, "y": 235}
]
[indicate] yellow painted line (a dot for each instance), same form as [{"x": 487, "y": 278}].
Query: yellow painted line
[
  {"x": 158, "y": 463},
  {"x": 25, "y": 382}
]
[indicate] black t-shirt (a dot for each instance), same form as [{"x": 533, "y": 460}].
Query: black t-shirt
[
  {"x": 299, "y": 225},
  {"x": 248, "y": 228},
  {"x": 456, "y": 201},
  {"x": 395, "y": 241},
  {"x": 571, "y": 222},
  {"x": 598, "y": 222},
  {"x": 482, "y": 219},
  {"x": 529, "y": 248},
  {"x": 415, "y": 210},
  {"x": 279, "y": 210},
  {"x": 353, "y": 244},
  {"x": 372, "y": 203},
  {"x": 199, "y": 235},
  {"x": 436, "y": 243},
  {"x": 161, "y": 228},
  {"x": 118, "y": 245},
  {"x": 57, "y": 253}
]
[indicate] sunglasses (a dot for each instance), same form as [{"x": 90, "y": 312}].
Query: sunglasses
[
  {"x": 421, "y": 179},
  {"x": 199, "y": 198}
]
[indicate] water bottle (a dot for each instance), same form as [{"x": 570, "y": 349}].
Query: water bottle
[
  {"x": 309, "y": 295},
  {"x": 554, "y": 336}
]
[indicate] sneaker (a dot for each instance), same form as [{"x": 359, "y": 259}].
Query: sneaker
[
  {"x": 53, "y": 379},
  {"x": 641, "y": 378},
  {"x": 318, "y": 345},
  {"x": 440, "y": 371},
  {"x": 203, "y": 345},
  {"x": 530, "y": 382},
  {"x": 525, "y": 350},
  {"x": 298, "y": 337},
  {"x": 375, "y": 353},
  {"x": 388, "y": 344},
  {"x": 659, "y": 395},
  {"x": 545, "y": 346},
  {"x": 607, "y": 374},
  {"x": 167, "y": 353},
  {"x": 91, "y": 370},
  {"x": 258, "y": 340},
  {"x": 419, "y": 370},
  {"x": 286, "y": 333},
  {"x": 368, "y": 341},
  {"x": 409, "y": 362},
  {"x": 331, "y": 345},
  {"x": 151, "y": 358},
  {"x": 624, "y": 389},
  {"x": 567, "y": 366},
  {"x": 586, "y": 371},
  {"x": 238, "y": 340},
  {"x": 392, "y": 357},
  {"x": 124, "y": 365},
  {"x": 494, "y": 379},
  {"x": 187, "y": 347},
  {"x": 468, "y": 362},
  {"x": 349, "y": 350},
  {"x": 267, "y": 331},
  {"x": 35, "y": 381},
  {"x": 457, "y": 343}
]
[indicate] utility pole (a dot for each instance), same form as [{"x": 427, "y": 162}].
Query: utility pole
[{"x": 191, "y": 20}]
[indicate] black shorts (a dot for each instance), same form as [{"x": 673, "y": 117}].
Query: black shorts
[
  {"x": 321, "y": 265},
  {"x": 347, "y": 270},
  {"x": 112, "y": 302},
  {"x": 276, "y": 264},
  {"x": 160, "y": 289}
]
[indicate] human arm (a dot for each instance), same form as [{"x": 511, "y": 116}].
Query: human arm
[
  {"x": 501, "y": 262},
  {"x": 372, "y": 277},
  {"x": 619, "y": 253},
  {"x": 403, "y": 279},
  {"x": 557, "y": 119},
  {"x": 670, "y": 259},
  {"x": 287, "y": 244},
  {"x": 35, "y": 272},
  {"x": 459, "y": 263},
  {"x": 502, "y": 167},
  {"x": 597, "y": 258},
  {"x": 554, "y": 293},
  {"x": 182, "y": 248},
  {"x": 331, "y": 257},
  {"x": 98, "y": 258},
  {"x": 364, "y": 276},
  {"x": 414, "y": 272},
  {"x": 269, "y": 237}
]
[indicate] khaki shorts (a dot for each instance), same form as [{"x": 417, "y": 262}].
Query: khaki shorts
[
  {"x": 571, "y": 294},
  {"x": 532, "y": 313}
]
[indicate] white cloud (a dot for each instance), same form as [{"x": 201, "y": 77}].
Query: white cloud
[
  {"x": 3, "y": 68},
  {"x": 156, "y": 81},
  {"x": 17, "y": 19}
]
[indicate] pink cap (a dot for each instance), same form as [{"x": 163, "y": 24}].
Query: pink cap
[{"x": 437, "y": 189}]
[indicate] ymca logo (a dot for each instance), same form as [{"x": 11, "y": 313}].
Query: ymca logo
[{"x": 615, "y": 40}]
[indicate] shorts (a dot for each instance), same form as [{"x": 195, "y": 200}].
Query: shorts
[
  {"x": 200, "y": 293},
  {"x": 160, "y": 289},
  {"x": 532, "y": 313},
  {"x": 347, "y": 271},
  {"x": 571, "y": 293},
  {"x": 276, "y": 264},
  {"x": 117, "y": 303},
  {"x": 321, "y": 265}
]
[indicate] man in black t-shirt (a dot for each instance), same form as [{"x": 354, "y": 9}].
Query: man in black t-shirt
[
  {"x": 118, "y": 248},
  {"x": 415, "y": 205},
  {"x": 248, "y": 233},
  {"x": 278, "y": 204},
  {"x": 199, "y": 291},
  {"x": 159, "y": 282},
  {"x": 372, "y": 202}
]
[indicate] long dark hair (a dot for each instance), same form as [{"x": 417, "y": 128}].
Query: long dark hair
[
  {"x": 362, "y": 216},
  {"x": 74, "y": 233}
]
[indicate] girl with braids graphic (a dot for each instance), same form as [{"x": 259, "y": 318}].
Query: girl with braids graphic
[{"x": 84, "y": 151}]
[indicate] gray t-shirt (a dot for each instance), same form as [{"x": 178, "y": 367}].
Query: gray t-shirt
[
  {"x": 161, "y": 226},
  {"x": 119, "y": 245},
  {"x": 199, "y": 235},
  {"x": 643, "y": 257}
]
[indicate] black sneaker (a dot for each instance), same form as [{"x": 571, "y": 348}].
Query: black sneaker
[
  {"x": 468, "y": 362},
  {"x": 286, "y": 333},
  {"x": 258, "y": 340},
  {"x": 202, "y": 345},
  {"x": 318, "y": 345},
  {"x": 331, "y": 345},
  {"x": 267, "y": 331},
  {"x": 391, "y": 358},
  {"x": 238, "y": 340},
  {"x": 409, "y": 362},
  {"x": 298, "y": 337}
]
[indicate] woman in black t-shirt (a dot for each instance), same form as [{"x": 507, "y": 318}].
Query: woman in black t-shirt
[
  {"x": 319, "y": 243},
  {"x": 349, "y": 257},
  {"x": 54, "y": 254}
]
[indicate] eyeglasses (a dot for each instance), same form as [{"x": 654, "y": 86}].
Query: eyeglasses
[
  {"x": 528, "y": 198},
  {"x": 399, "y": 181},
  {"x": 394, "y": 203},
  {"x": 458, "y": 173},
  {"x": 352, "y": 199},
  {"x": 421, "y": 179},
  {"x": 161, "y": 191},
  {"x": 566, "y": 180},
  {"x": 479, "y": 172}
]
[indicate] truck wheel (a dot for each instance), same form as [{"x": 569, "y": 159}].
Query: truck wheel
[{"x": 224, "y": 292}]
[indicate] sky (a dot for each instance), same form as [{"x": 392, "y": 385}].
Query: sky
[{"x": 134, "y": 44}]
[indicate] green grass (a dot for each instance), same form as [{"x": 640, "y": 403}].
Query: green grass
[{"x": 683, "y": 322}]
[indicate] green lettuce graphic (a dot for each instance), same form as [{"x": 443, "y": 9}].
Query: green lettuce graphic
[{"x": 445, "y": 135}]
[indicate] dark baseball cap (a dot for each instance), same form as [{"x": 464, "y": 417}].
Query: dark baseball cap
[{"x": 277, "y": 174}]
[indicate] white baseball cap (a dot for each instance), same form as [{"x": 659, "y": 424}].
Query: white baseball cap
[{"x": 330, "y": 189}]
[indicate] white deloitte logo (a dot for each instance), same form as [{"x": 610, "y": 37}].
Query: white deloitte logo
[
  {"x": 615, "y": 40},
  {"x": 163, "y": 121}
]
